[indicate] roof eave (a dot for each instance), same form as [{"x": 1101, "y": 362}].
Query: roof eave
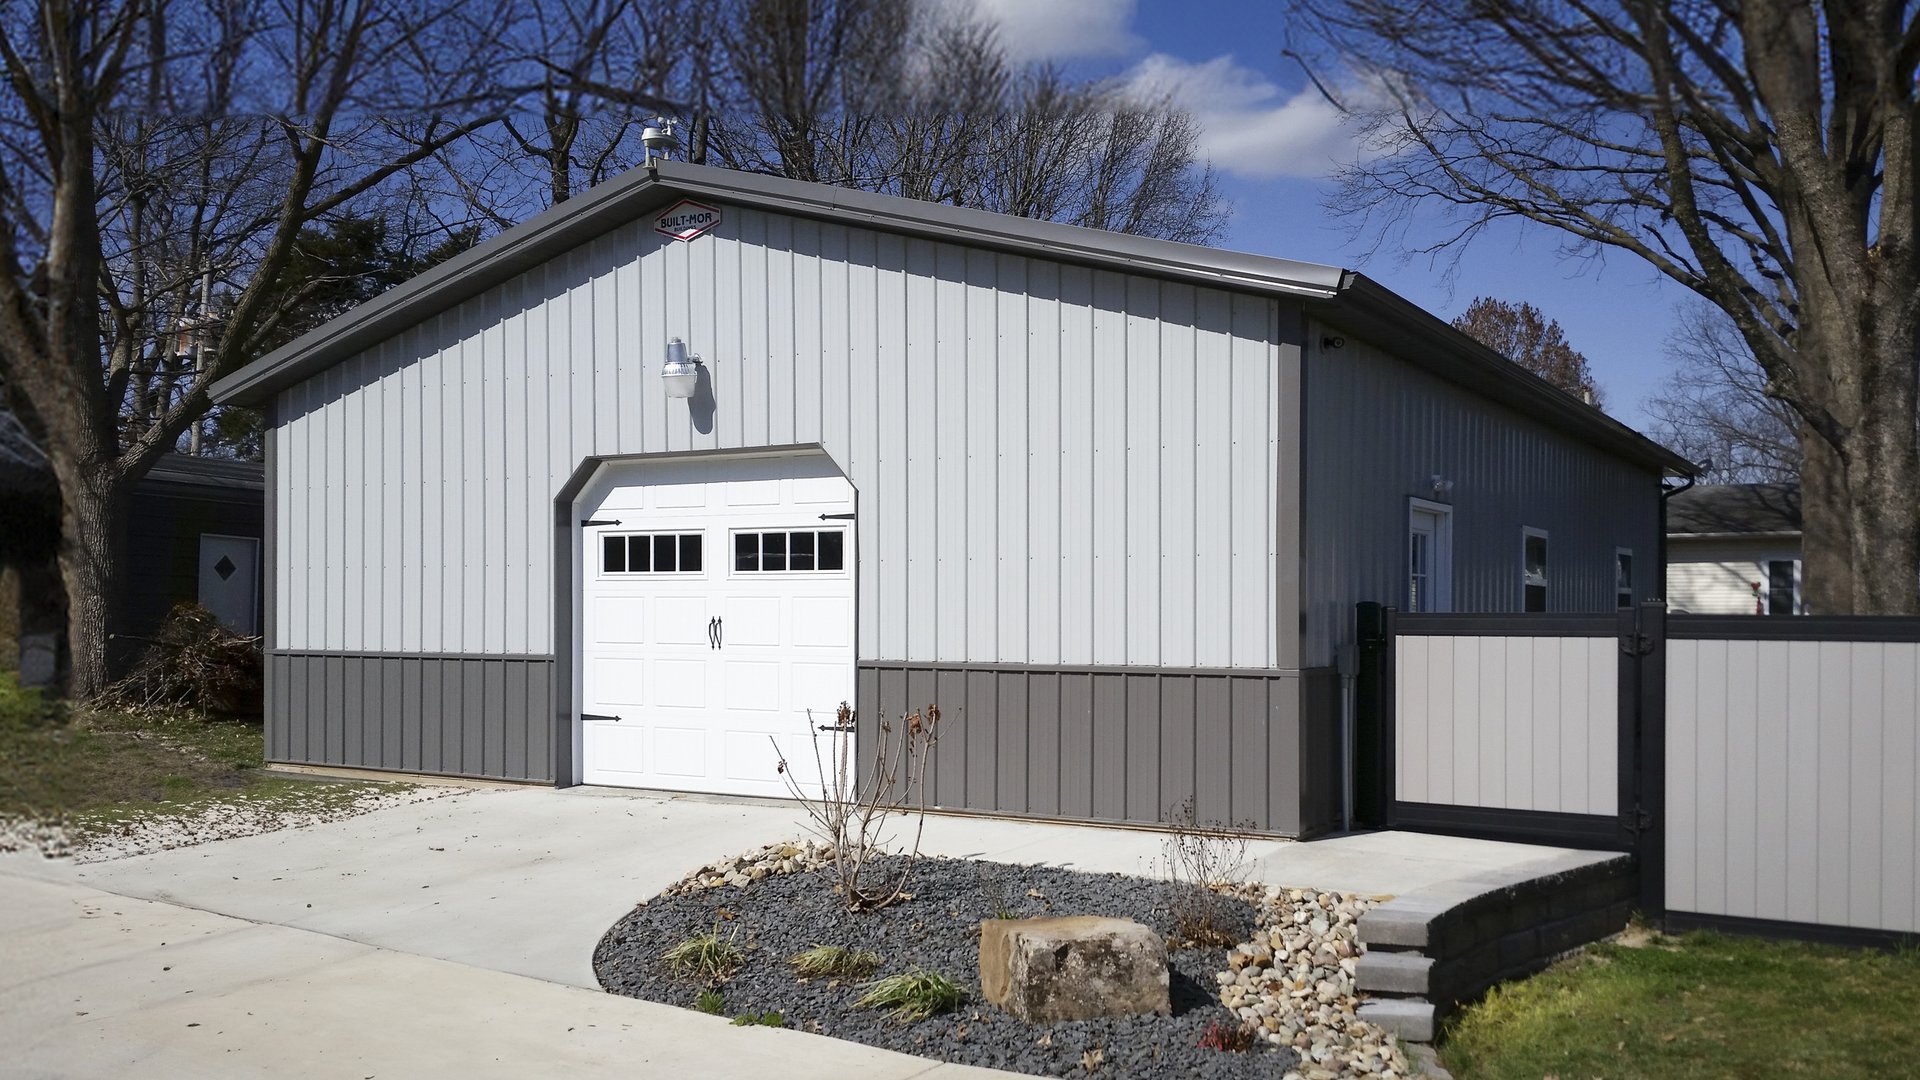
[
  {"x": 1452, "y": 355},
  {"x": 631, "y": 195}
]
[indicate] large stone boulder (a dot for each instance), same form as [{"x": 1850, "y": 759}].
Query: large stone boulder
[{"x": 1073, "y": 968}]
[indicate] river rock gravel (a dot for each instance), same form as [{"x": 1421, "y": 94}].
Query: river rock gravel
[{"x": 783, "y": 913}]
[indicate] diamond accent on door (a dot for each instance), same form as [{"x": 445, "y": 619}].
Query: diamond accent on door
[{"x": 224, "y": 568}]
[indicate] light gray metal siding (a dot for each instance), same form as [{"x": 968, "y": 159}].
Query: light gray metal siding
[
  {"x": 1120, "y": 745},
  {"x": 1515, "y": 723},
  {"x": 1057, "y": 465},
  {"x": 1378, "y": 431},
  {"x": 1790, "y": 781}
]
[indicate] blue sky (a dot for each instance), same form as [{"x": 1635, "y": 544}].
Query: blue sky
[{"x": 1274, "y": 141}]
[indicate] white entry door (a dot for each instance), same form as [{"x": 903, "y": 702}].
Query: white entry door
[
  {"x": 1429, "y": 556},
  {"x": 717, "y": 621}
]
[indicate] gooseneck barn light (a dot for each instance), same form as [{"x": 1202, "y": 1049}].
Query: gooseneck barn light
[{"x": 681, "y": 373}]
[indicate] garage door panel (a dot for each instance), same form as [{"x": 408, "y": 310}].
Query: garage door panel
[
  {"x": 619, "y": 681},
  {"x": 822, "y": 622},
  {"x": 752, "y": 756},
  {"x": 616, "y": 748},
  {"x": 680, "y": 751},
  {"x": 752, "y": 621},
  {"x": 699, "y": 710},
  {"x": 752, "y": 686},
  {"x": 820, "y": 688},
  {"x": 619, "y": 620},
  {"x": 753, "y": 493},
  {"x": 680, "y": 684},
  {"x": 681, "y": 620}
]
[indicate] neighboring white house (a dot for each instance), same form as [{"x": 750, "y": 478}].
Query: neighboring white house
[{"x": 1734, "y": 549}]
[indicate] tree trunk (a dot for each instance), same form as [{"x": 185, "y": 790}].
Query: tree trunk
[
  {"x": 91, "y": 539},
  {"x": 1826, "y": 523}
]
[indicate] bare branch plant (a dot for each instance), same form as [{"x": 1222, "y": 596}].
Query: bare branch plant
[{"x": 853, "y": 813}]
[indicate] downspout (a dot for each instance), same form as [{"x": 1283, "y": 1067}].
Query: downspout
[{"x": 1667, "y": 493}]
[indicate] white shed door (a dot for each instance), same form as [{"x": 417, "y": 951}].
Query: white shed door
[{"x": 717, "y": 619}]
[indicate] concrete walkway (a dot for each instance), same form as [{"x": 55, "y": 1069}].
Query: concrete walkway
[
  {"x": 97, "y": 985},
  {"x": 456, "y": 935}
]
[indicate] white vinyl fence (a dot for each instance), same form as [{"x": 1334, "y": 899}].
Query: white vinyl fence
[{"x": 1790, "y": 780}]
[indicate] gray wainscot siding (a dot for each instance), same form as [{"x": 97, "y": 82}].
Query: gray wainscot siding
[
  {"x": 1058, "y": 466},
  {"x": 1253, "y": 748},
  {"x": 1379, "y": 429}
]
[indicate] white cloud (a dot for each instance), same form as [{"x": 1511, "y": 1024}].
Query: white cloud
[
  {"x": 1037, "y": 30},
  {"x": 1251, "y": 127}
]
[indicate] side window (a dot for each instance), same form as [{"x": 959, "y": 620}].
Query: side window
[
  {"x": 790, "y": 551},
  {"x": 652, "y": 553},
  {"x": 1623, "y": 577},
  {"x": 1783, "y": 587},
  {"x": 1533, "y": 569}
]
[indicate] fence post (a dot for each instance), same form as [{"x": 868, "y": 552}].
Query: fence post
[
  {"x": 1650, "y": 760},
  {"x": 1372, "y": 720}
]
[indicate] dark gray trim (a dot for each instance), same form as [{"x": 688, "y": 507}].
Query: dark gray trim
[
  {"x": 1504, "y": 624},
  {"x": 454, "y": 716},
  {"x": 1645, "y": 693},
  {"x": 1680, "y": 922},
  {"x": 1076, "y": 669},
  {"x": 268, "y": 565},
  {"x": 1120, "y": 745},
  {"x": 1590, "y": 831},
  {"x": 1289, "y": 497},
  {"x": 1795, "y": 627},
  {"x": 375, "y": 654}
]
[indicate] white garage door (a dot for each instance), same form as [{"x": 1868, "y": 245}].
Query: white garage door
[{"x": 716, "y": 618}]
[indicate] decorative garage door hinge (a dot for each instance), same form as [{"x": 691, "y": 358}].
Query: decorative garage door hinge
[{"x": 588, "y": 523}]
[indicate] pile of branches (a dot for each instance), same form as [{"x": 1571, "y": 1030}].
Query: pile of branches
[{"x": 195, "y": 662}]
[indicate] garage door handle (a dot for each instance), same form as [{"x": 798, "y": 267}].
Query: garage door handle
[
  {"x": 713, "y": 632},
  {"x": 719, "y": 632}
]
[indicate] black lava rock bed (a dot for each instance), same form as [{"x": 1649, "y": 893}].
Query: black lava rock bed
[{"x": 939, "y": 929}]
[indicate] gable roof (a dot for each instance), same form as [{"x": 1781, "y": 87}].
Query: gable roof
[
  {"x": 1728, "y": 510},
  {"x": 1341, "y": 296}
]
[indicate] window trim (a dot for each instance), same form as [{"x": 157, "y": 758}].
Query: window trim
[
  {"x": 1545, "y": 583},
  {"x": 1793, "y": 599},
  {"x": 1440, "y": 574},
  {"x": 1618, "y": 593},
  {"x": 846, "y": 551},
  {"x": 600, "y": 558}
]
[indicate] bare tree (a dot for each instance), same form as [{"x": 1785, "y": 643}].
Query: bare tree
[
  {"x": 918, "y": 99},
  {"x": 1759, "y": 153},
  {"x": 1713, "y": 407},
  {"x": 1523, "y": 335},
  {"x": 158, "y": 163}
]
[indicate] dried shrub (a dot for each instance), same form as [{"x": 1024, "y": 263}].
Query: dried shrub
[
  {"x": 195, "y": 662},
  {"x": 853, "y": 813},
  {"x": 1205, "y": 859},
  {"x": 1235, "y": 1039}
]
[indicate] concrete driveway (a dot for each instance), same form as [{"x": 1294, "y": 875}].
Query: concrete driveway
[
  {"x": 455, "y": 937},
  {"x": 526, "y": 880}
]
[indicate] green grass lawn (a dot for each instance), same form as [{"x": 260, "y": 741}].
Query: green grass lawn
[
  {"x": 1701, "y": 1005},
  {"x": 95, "y": 769}
]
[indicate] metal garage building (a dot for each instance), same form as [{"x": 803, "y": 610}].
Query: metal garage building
[{"x": 1109, "y": 501}]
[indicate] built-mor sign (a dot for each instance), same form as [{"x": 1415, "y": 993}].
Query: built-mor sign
[{"x": 686, "y": 219}]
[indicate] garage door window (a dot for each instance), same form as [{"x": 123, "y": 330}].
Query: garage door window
[
  {"x": 790, "y": 551},
  {"x": 651, "y": 553}
]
